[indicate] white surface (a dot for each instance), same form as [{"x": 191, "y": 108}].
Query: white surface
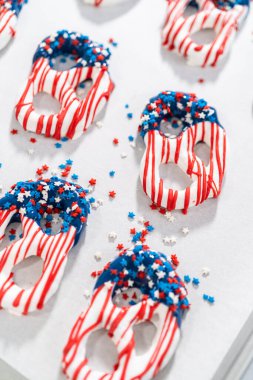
[{"x": 221, "y": 231}]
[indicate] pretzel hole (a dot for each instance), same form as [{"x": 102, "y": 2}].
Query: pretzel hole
[
  {"x": 12, "y": 233},
  {"x": 127, "y": 297},
  {"x": 191, "y": 9},
  {"x": 64, "y": 62},
  {"x": 144, "y": 334},
  {"x": 28, "y": 272},
  {"x": 101, "y": 351},
  {"x": 203, "y": 151},
  {"x": 83, "y": 88},
  {"x": 173, "y": 177},
  {"x": 172, "y": 128},
  {"x": 204, "y": 36},
  {"x": 46, "y": 104},
  {"x": 51, "y": 224}
]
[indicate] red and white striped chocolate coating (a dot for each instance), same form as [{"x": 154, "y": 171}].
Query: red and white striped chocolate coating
[
  {"x": 177, "y": 30},
  {"x": 53, "y": 250},
  {"x": 8, "y": 21},
  {"x": 119, "y": 323},
  {"x": 75, "y": 115},
  {"x": 206, "y": 180}
]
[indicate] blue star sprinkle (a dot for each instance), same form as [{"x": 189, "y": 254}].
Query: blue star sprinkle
[
  {"x": 131, "y": 215},
  {"x": 187, "y": 279},
  {"x": 195, "y": 281}
]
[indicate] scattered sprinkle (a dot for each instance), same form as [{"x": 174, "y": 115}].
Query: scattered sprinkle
[
  {"x": 99, "y": 124},
  {"x": 187, "y": 279},
  {"x": 112, "y": 236},
  {"x": 205, "y": 272},
  {"x": 131, "y": 215},
  {"x": 185, "y": 230},
  {"x": 195, "y": 281},
  {"x": 98, "y": 256},
  {"x": 112, "y": 194},
  {"x": 169, "y": 240}
]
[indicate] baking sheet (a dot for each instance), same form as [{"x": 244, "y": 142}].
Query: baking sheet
[{"x": 220, "y": 231}]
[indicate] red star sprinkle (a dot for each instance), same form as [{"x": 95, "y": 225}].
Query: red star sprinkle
[
  {"x": 33, "y": 140},
  {"x": 132, "y": 231},
  {"x": 115, "y": 141},
  {"x": 174, "y": 260},
  {"x": 201, "y": 80},
  {"x": 120, "y": 247},
  {"x": 92, "y": 181},
  {"x": 45, "y": 168},
  {"x": 112, "y": 194},
  {"x": 14, "y": 131},
  {"x": 39, "y": 171}
]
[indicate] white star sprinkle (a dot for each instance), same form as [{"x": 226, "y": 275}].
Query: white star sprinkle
[
  {"x": 87, "y": 293},
  {"x": 98, "y": 256},
  {"x": 160, "y": 274},
  {"x": 170, "y": 217},
  {"x": 205, "y": 272},
  {"x": 141, "y": 220},
  {"x": 22, "y": 211},
  {"x": 169, "y": 240},
  {"x": 112, "y": 236},
  {"x": 185, "y": 230}
]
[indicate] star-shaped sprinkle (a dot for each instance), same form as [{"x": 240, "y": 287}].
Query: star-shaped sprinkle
[
  {"x": 112, "y": 173},
  {"x": 195, "y": 281},
  {"x": 141, "y": 220},
  {"x": 205, "y": 272},
  {"x": 131, "y": 215},
  {"x": 92, "y": 181},
  {"x": 115, "y": 141},
  {"x": 112, "y": 236},
  {"x": 87, "y": 293},
  {"x": 169, "y": 240},
  {"x": 98, "y": 256},
  {"x": 185, "y": 230},
  {"x": 168, "y": 215},
  {"x": 187, "y": 279},
  {"x": 112, "y": 194}
]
